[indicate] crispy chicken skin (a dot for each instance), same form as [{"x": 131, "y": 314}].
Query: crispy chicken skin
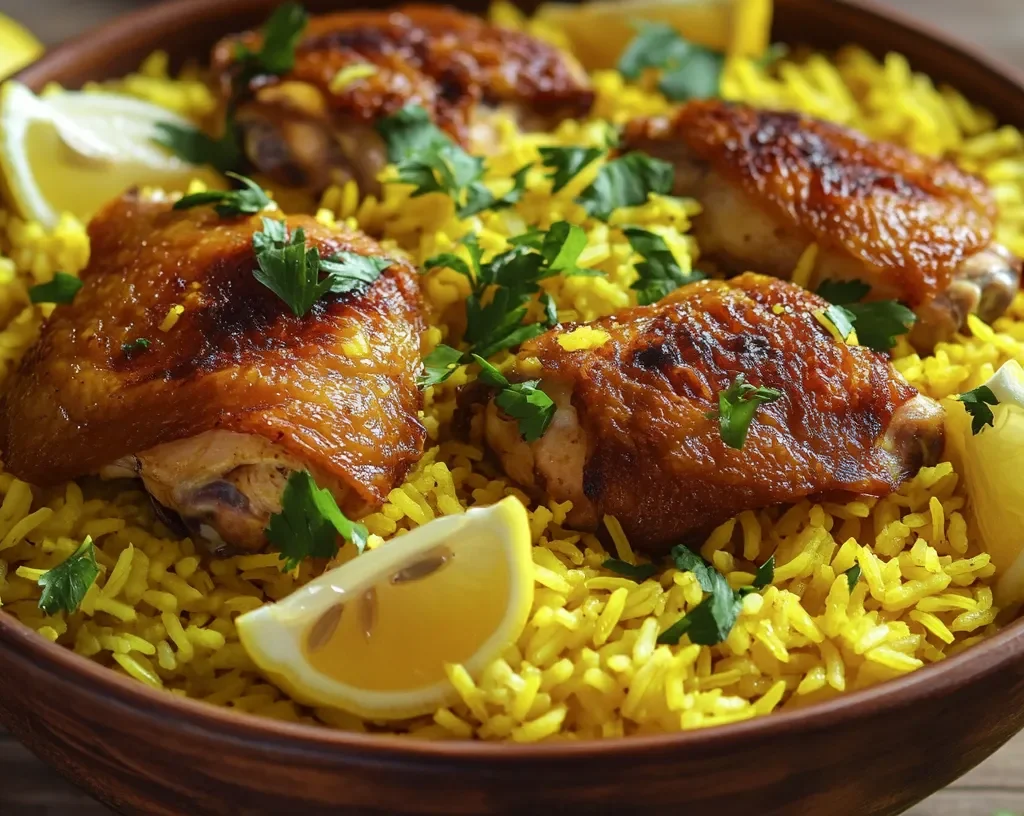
[
  {"x": 631, "y": 436},
  {"x": 236, "y": 394},
  {"x": 458, "y": 67},
  {"x": 919, "y": 230}
]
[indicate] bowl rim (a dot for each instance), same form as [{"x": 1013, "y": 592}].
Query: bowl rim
[{"x": 997, "y": 653}]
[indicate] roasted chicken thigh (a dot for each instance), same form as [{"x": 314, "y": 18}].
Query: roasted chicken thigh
[
  {"x": 916, "y": 229},
  {"x": 231, "y": 392},
  {"x": 635, "y": 434},
  {"x": 313, "y": 127}
]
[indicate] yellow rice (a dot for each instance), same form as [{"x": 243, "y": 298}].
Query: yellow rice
[{"x": 587, "y": 664}]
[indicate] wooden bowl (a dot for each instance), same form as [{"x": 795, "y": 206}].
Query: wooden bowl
[{"x": 872, "y": 752}]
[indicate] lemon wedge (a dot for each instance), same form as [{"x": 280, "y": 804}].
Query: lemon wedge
[
  {"x": 990, "y": 463},
  {"x": 599, "y": 31},
  {"x": 72, "y": 151},
  {"x": 373, "y": 636},
  {"x": 17, "y": 47}
]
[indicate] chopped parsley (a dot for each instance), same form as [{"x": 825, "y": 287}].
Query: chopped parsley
[
  {"x": 566, "y": 163},
  {"x": 292, "y": 271},
  {"x": 195, "y": 147},
  {"x": 626, "y": 182},
  {"x": 62, "y": 289},
  {"x": 688, "y": 70},
  {"x": 635, "y": 572},
  {"x": 737, "y": 405},
  {"x": 711, "y": 621},
  {"x": 136, "y": 346},
  {"x": 226, "y": 203},
  {"x": 439, "y": 365},
  {"x": 309, "y": 523},
  {"x": 659, "y": 272},
  {"x": 976, "y": 402},
  {"x": 765, "y": 573},
  {"x": 502, "y": 288},
  {"x": 427, "y": 158},
  {"x": 842, "y": 318},
  {"x": 878, "y": 323},
  {"x": 280, "y": 36},
  {"x": 852, "y": 576},
  {"x": 524, "y": 402},
  {"x": 65, "y": 585}
]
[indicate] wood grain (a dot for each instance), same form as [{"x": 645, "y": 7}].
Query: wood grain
[{"x": 29, "y": 788}]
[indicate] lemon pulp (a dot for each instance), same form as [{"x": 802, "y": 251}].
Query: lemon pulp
[
  {"x": 399, "y": 633},
  {"x": 376, "y": 635}
]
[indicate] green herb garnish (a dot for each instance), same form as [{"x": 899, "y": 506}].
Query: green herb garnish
[
  {"x": 62, "y": 289},
  {"x": 852, "y": 576},
  {"x": 566, "y": 163},
  {"x": 878, "y": 323},
  {"x": 292, "y": 272},
  {"x": 136, "y": 346},
  {"x": 635, "y": 572},
  {"x": 280, "y": 37},
  {"x": 659, "y": 272},
  {"x": 524, "y": 402},
  {"x": 227, "y": 203},
  {"x": 309, "y": 523},
  {"x": 688, "y": 70},
  {"x": 842, "y": 318},
  {"x": 765, "y": 573},
  {"x": 65, "y": 585},
  {"x": 626, "y": 182},
  {"x": 502, "y": 288},
  {"x": 976, "y": 402},
  {"x": 439, "y": 365},
  {"x": 427, "y": 158},
  {"x": 195, "y": 147},
  {"x": 737, "y": 405},
  {"x": 712, "y": 620}
]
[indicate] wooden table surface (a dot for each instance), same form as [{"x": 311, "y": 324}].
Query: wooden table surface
[{"x": 28, "y": 788}]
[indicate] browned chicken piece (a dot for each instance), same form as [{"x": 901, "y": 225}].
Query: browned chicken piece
[
  {"x": 237, "y": 394},
  {"x": 310, "y": 127},
  {"x": 632, "y": 436},
  {"x": 916, "y": 229}
]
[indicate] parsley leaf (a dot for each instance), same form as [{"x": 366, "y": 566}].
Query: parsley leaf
[
  {"x": 309, "y": 523},
  {"x": 688, "y": 70},
  {"x": 61, "y": 289},
  {"x": 567, "y": 162},
  {"x": 523, "y": 401},
  {"x": 65, "y": 585},
  {"x": 842, "y": 292},
  {"x": 227, "y": 203},
  {"x": 427, "y": 158},
  {"x": 710, "y": 622},
  {"x": 292, "y": 272},
  {"x": 562, "y": 246},
  {"x": 635, "y": 572},
  {"x": 686, "y": 560},
  {"x": 195, "y": 147},
  {"x": 852, "y": 576},
  {"x": 737, "y": 405},
  {"x": 879, "y": 322},
  {"x": 842, "y": 318},
  {"x": 976, "y": 402},
  {"x": 439, "y": 365},
  {"x": 765, "y": 573},
  {"x": 626, "y": 182},
  {"x": 280, "y": 33},
  {"x": 659, "y": 272},
  {"x": 133, "y": 347},
  {"x": 876, "y": 322}
]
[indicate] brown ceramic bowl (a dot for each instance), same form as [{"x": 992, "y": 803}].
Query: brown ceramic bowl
[{"x": 872, "y": 752}]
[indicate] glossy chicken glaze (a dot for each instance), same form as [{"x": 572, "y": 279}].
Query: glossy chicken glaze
[
  {"x": 917, "y": 229},
  {"x": 642, "y": 447},
  {"x": 334, "y": 391}
]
